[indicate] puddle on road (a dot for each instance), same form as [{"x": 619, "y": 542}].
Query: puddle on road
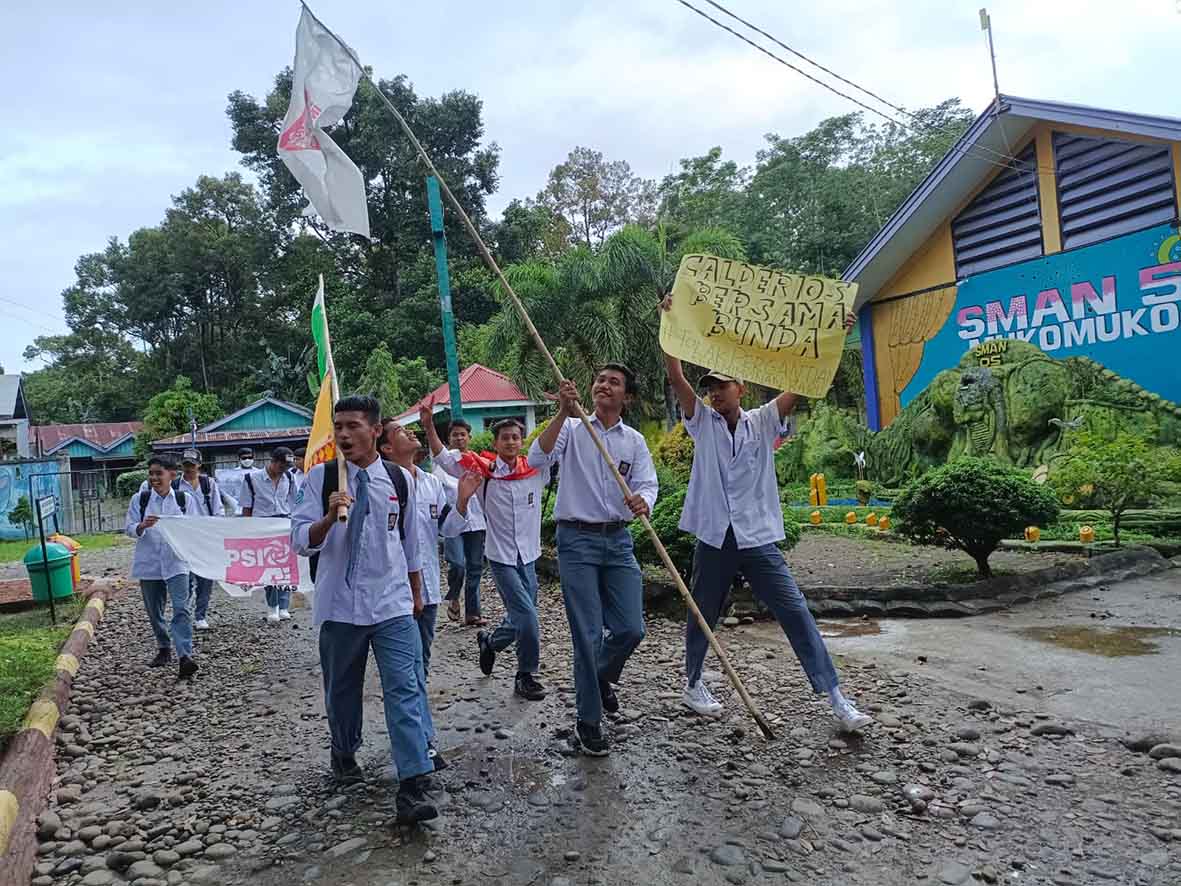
[
  {"x": 863, "y": 628},
  {"x": 1110, "y": 642}
]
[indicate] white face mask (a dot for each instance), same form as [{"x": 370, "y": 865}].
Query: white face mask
[{"x": 247, "y": 462}]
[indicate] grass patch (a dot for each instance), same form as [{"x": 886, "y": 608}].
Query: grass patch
[
  {"x": 29, "y": 644},
  {"x": 13, "y": 551}
]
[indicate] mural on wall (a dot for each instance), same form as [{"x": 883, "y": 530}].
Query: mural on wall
[
  {"x": 1004, "y": 399},
  {"x": 14, "y": 483},
  {"x": 1117, "y": 303}
]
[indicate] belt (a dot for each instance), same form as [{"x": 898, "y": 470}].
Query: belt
[{"x": 600, "y": 528}]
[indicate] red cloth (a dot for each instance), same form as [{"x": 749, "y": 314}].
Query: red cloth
[{"x": 482, "y": 465}]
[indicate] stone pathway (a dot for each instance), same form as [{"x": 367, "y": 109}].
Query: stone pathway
[{"x": 225, "y": 780}]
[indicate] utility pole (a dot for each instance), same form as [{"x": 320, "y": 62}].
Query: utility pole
[
  {"x": 986, "y": 25},
  {"x": 440, "y": 237}
]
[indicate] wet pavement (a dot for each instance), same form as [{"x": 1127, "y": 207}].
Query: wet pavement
[{"x": 969, "y": 776}]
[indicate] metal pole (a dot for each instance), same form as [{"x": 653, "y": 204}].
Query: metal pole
[
  {"x": 435, "y": 202},
  {"x": 44, "y": 553},
  {"x": 986, "y": 25}
]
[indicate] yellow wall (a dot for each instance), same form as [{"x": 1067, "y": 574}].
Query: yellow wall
[{"x": 902, "y": 327}]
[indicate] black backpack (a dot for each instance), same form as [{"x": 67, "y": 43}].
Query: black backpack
[
  {"x": 288, "y": 475},
  {"x": 146, "y": 496},
  {"x": 331, "y": 484},
  {"x": 206, "y": 490}
]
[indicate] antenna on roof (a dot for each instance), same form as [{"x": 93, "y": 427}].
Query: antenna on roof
[{"x": 986, "y": 25}]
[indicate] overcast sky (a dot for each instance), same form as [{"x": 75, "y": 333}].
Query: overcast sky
[{"x": 113, "y": 108}]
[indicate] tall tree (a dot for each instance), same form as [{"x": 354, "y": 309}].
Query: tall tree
[
  {"x": 596, "y": 196},
  {"x": 168, "y": 413},
  {"x": 707, "y": 192}
]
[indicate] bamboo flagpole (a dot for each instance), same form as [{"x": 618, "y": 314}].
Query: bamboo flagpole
[
  {"x": 759, "y": 719},
  {"x": 322, "y": 434}
]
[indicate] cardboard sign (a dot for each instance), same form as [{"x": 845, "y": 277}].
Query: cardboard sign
[{"x": 784, "y": 331}]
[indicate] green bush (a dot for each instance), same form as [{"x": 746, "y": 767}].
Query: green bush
[
  {"x": 674, "y": 451},
  {"x": 972, "y": 504},
  {"x": 127, "y": 484},
  {"x": 482, "y": 442}
]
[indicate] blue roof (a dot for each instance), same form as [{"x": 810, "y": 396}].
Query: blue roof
[{"x": 995, "y": 134}]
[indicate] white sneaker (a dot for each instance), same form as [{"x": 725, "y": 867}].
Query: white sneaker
[
  {"x": 284, "y": 614},
  {"x": 273, "y": 614},
  {"x": 698, "y": 699},
  {"x": 848, "y": 718},
  {"x": 201, "y": 624}
]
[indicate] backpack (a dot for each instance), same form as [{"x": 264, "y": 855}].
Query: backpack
[
  {"x": 331, "y": 484},
  {"x": 288, "y": 475},
  {"x": 146, "y": 496},
  {"x": 206, "y": 489}
]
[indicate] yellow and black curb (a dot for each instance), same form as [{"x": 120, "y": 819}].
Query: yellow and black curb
[{"x": 26, "y": 770}]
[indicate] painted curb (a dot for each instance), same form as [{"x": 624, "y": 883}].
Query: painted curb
[{"x": 26, "y": 770}]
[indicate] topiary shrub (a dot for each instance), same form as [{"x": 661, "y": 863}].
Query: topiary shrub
[
  {"x": 127, "y": 484},
  {"x": 971, "y": 504}
]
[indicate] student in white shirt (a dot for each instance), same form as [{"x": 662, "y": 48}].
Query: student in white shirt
[
  {"x": 733, "y": 508},
  {"x": 162, "y": 575},
  {"x": 368, "y": 580},
  {"x": 602, "y": 586},
  {"x": 203, "y": 492},
  {"x": 271, "y": 493},
  {"x": 511, "y": 501},
  {"x": 465, "y": 554}
]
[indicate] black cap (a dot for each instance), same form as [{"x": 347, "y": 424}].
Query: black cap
[
  {"x": 246, "y": 451},
  {"x": 190, "y": 457},
  {"x": 283, "y": 454}
]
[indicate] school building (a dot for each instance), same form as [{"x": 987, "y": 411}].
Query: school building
[
  {"x": 486, "y": 396},
  {"x": 263, "y": 425},
  {"x": 1049, "y": 222}
]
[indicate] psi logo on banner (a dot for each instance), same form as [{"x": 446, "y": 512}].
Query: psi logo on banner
[
  {"x": 262, "y": 561},
  {"x": 784, "y": 331}
]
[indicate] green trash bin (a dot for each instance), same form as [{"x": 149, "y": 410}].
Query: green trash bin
[{"x": 59, "y": 577}]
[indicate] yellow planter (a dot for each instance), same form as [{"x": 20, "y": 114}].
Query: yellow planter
[
  {"x": 1032, "y": 534},
  {"x": 850, "y": 518},
  {"x": 871, "y": 520},
  {"x": 814, "y": 518},
  {"x": 884, "y": 523},
  {"x": 1086, "y": 534}
]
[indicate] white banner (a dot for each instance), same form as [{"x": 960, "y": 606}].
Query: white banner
[{"x": 241, "y": 553}]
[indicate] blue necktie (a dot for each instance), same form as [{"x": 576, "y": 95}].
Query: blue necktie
[{"x": 356, "y": 524}]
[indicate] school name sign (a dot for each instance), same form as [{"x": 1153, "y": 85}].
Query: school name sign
[
  {"x": 1117, "y": 302},
  {"x": 785, "y": 331}
]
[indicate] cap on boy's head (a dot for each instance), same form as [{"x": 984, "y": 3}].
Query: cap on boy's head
[
  {"x": 715, "y": 377},
  {"x": 283, "y": 454},
  {"x": 245, "y": 452},
  {"x": 190, "y": 457}
]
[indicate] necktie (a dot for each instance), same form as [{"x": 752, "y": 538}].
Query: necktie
[{"x": 356, "y": 524}]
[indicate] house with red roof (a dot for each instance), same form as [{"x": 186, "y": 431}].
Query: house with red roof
[{"x": 487, "y": 396}]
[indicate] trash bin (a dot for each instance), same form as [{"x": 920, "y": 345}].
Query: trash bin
[
  {"x": 73, "y": 547},
  {"x": 58, "y": 578}
]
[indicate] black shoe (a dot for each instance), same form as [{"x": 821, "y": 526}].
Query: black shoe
[
  {"x": 436, "y": 758},
  {"x": 163, "y": 657},
  {"x": 430, "y": 784},
  {"x": 528, "y": 688},
  {"x": 487, "y": 653},
  {"x": 610, "y": 699},
  {"x": 590, "y": 739},
  {"x": 413, "y": 803},
  {"x": 346, "y": 770},
  {"x": 188, "y": 667}
]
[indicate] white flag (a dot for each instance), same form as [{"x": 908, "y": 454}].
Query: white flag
[{"x": 322, "y": 90}]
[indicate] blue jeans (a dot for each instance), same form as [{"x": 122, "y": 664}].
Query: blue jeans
[
  {"x": 426, "y": 630},
  {"x": 466, "y": 574},
  {"x": 201, "y": 590},
  {"x": 771, "y": 582},
  {"x": 278, "y": 595},
  {"x": 517, "y": 586},
  {"x": 397, "y": 647},
  {"x": 604, "y": 592},
  {"x": 176, "y": 589}
]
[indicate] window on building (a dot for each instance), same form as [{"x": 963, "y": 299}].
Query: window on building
[
  {"x": 1002, "y": 225},
  {"x": 1108, "y": 187}
]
